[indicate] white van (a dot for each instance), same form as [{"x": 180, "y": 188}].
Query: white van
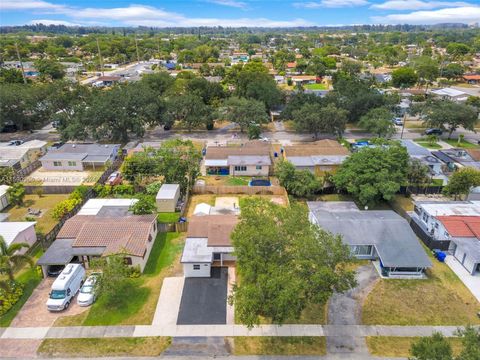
[{"x": 65, "y": 287}]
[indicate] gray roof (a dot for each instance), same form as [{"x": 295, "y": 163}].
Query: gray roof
[
  {"x": 61, "y": 252},
  {"x": 249, "y": 160},
  {"x": 80, "y": 151},
  {"x": 470, "y": 246},
  {"x": 414, "y": 149},
  {"x": 52, "y": 155},
  {"x": 394, "y": 240},
  {"x": 167, "y": 191}
]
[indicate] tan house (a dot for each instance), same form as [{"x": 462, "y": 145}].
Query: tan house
[
  {"x": 20, "y": 156},
  {"x": 208, "y": 243},
  {"x": 251, "y": 159},
  {"x": 318, "y": 157}
]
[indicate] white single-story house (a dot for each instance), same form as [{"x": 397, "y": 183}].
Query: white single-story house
[
  {"x": 79, "y": 156},
  {"x": 379, "y": 235},
  {"x": 18, "y": 232},
  {"x": 167, "y": 197},
  {"x": 208, "y": 243},
  {"x": 4, "y": 202},
  {"x": 103, "y": 227},
  {"x": 20, "y": 156},
  {"x": 450, "y": 94}
]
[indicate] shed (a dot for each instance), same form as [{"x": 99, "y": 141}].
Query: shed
[
  {"x": 202, "y": 209},
  {"x": 3, "y": 196},
  {"x": 18, "y": 232},
  {"x": 167, "y": 197}
]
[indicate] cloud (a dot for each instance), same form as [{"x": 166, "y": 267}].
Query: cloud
[
  {"x": 417, "y": 5},
  {"x": 330, "y": 4},
  {"x": 29, "y": 5},
  {"x": 53, "y": 22},
  {"x": 465, "y": 14},
  {"x": 231, "y": 3}
]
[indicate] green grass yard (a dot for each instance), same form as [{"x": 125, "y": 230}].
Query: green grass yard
[
  {"x": 168, "y": 217},
  {"x": 427, "y": 144},
  {"x": 463, "y": 144},
  {"x": 140, "y": 294},
  {"x": 286, "y": 345},
  {"x": 391, "y": 346},
  {"x": 315, "y": 86}
]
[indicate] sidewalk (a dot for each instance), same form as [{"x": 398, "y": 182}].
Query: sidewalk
[
  {"x": 222, "y": 330},
  {"x": 472, "y": 282}
]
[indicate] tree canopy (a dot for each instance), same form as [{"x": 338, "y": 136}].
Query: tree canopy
[
  {"x": 301, "y": 183},
  {"x": 284, "y": 262},
  {"x": 378, "y": 121},
  {"x": 461, "y": 181}
]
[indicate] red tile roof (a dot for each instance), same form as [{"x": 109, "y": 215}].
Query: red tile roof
[
  {"x": 461, "y": 226},
  {"x": 216, "y": 228}
]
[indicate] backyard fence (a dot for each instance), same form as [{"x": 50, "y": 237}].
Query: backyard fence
[
  {"x": 409, "y": 190},
  {"x": 23, "y": 173},
  {"x": 248, "y": 190},
  {"x": 429, "y": 241}
]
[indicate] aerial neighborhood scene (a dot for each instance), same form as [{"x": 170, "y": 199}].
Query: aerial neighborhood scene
[{"x": 231, "y": 179}]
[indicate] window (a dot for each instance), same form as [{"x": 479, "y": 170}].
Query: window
[
  {"x": 196, "y": 267},
  {"x": 72, "y": 163},
  {"x": 216, "y": 256},
  {"x": 362, "y": 250},
  {"x": 127, "y": 260},
  {"x": 258, "y": 167},
  {"x": 57, "y": 163},
  {"x": 150, "y": 238},
  {"x": 240, "y": 168}
]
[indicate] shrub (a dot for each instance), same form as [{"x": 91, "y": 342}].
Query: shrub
[
  {"x": 16, "y": 193},
  {"x": 9, "y": 297},
  {"x": 152, "y": 189},
  {"x": 64, "y": 207},
  {"x": 123, "y": 190}
]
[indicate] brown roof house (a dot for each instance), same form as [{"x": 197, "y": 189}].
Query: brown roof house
[
  {"x": 251, "y": 159},
  {"x": 318, "y": 157},
  {"x": 208, "y": 241},
  {"x": 103, "y": 227}
]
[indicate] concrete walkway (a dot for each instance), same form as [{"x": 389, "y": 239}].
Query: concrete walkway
[
  {"x": 222, "y": 330},
  {"x": 169, "y": 301},
  {"x": 345, "y": 309},
  {"x": 472, "y": 282}
]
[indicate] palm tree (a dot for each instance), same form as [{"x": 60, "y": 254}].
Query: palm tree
[{"x": 9, "y": 260}]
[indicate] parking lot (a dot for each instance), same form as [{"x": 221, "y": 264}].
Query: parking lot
[
  {"x": 204, "y": 300},
  {"x": 35, "y": 313}
]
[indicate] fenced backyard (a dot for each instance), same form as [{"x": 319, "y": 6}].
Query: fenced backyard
[{"x": 246, "y": 190}]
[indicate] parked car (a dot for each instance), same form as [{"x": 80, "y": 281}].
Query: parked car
[
  {"x": 433, "y": 131},
  {"x": 114, "y": 179},
  {"x": 55, "y": 124},
  {"x": 15, "y": 142},
  {"x": 55, "y": 270},
  {"x": 87, "y": 294},
  {"x": 65, "y": 287},
  {"x": 398, "y": 121}
]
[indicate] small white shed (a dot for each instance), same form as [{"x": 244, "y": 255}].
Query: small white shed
[
  {"x": 167, "y": 197},
  {"x": 3, "y": 196}
]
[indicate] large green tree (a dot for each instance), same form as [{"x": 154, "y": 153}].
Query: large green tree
[
  {"x": 301, "y": 183},
  {"x": 373, "y": 174},
  {"x": 461, "y": 181},
  {"x": 404, "y": 77},
  {"x": 244, "y": 112},
  {"x": 315, "y": 118},
  {"x": 259, "y": 86},
  {"x": 190, "y": 110},
  {"x": 435, "y": 347},
  {"x": 284, "y": 262},
  {"x": 379, "y": 122},
  {"x": 50, "y": 69}
]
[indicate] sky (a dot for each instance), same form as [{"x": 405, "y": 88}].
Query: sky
[{"x": 235, "y": 13}]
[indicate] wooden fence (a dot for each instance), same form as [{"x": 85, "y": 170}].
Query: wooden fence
[
  {"x": 23, "y": 173},
  {"x": 248, "y": 190}
]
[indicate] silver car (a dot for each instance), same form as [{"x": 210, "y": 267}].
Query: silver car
[{"x": 86, "y": 295}]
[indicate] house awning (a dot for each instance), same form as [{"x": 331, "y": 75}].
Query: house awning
[
  {"x": 216, "y": 162},
  {"x": 61, "y": 252}
]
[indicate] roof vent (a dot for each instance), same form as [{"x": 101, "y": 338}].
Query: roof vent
[
  {"x": 106, "y": 145},
  {"x": 74, "y": 145}
]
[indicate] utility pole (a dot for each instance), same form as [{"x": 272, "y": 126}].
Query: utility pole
[
  {"x": 100, "y": 56},
  {"x": 136, "y": 46},
  {"x": 21, "y": 63}
]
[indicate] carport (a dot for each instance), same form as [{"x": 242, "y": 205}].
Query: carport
[
  {"x": 61, "y": 252},
  {"x": 204, "y": 300}
]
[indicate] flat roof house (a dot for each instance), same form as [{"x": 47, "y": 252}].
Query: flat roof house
[
  {"x": 103, "y": 227},
  {"x": 318, "y": 157},
  {"x": 251, "y": 159},
  {"x": 20, "y": 156},
  {"x": 450, "y": 94},
  {"x": 375, "y": 235},
  {"x": 79, "y": 156},
  {"x": 208, "y": 241}
]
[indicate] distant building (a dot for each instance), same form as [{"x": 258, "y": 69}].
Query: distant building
[{"x": 20, "y": 156}]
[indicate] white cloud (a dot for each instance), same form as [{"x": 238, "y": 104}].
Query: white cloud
[
  {"x": 330, "y": 4},
  {"x": 29, "y": 5},
  {"x": 53, "y": 22},
  {"x": 466, "y": 14},
  {"x": 417, "y": 5},
  {"x": 231, "y": 3}
]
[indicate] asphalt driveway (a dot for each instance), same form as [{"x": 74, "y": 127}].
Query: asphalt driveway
[{"x": 204, "y": 300}]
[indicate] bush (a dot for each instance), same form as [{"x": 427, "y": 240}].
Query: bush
[
  {"x": 152, "y": 189},
  {"x": 16, "y": 193},
  {"x": 104, "y": 191},
  {"x": 9, "y": 297},
  {"x": 64, "y": 207}
]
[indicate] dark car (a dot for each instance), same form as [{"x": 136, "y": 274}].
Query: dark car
[
  {"x": 434, "y": 131},
  {"x": 55, "y": 270}
]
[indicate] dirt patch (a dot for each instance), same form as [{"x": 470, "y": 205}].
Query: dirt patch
[{"x": 226, "y": 202}]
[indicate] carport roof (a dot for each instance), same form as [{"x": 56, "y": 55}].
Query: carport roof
[{"x": 62, "y": 251}]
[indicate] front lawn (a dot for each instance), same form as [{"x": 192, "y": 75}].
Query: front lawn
[
  {"x": 462, "y": 144},
  {"x": 442, "y": 299},
  {"x": 141, "y": 294},
  {"x": 427, "y": 144},
  {"x": 391, "y": 346},
  {"x": 46, "y": 203},
  {"x": 315, "y": 86},
  {"x": 284, "y": 345},
  {"x": 224, "y": 180},
  {"x": 101, "y": 347},
  {"x": 168, "y": 217}
]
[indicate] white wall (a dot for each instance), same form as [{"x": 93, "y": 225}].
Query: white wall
[
  {"x": 48, "y": 165},
  {"x": 168, "y": 205},
  {"x": 142, "y": 261},
  {"x": 251, "y": 171},
  {"x": 3, "y": 201},
  {"x": 204, "y": 271},
  {"x": 468, "y": 263},
  {"x": 26, "y": 236}
]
